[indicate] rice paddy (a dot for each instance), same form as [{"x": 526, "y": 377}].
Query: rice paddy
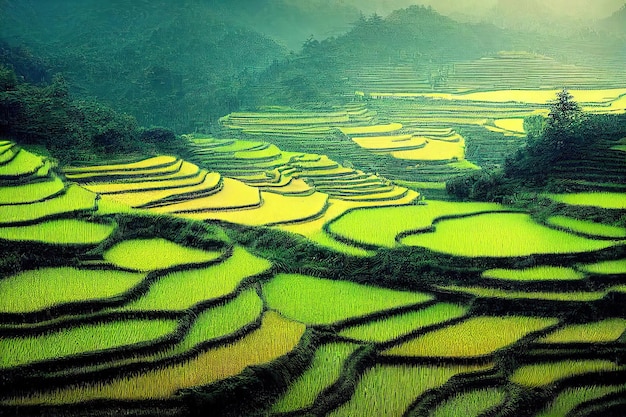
[
  {"x": 568, "y": 399},
  {"x": 38, "y": 289},
  {"x": 24, "y": 163},
  {"x": 607, "y": 330},
  {"x": 617, "y": 266},
  {"x": 321, "y": 301},
  {"x": 500, "y": 235},
  {"x": 538, "y": 273},
  {"x": 75, "y": 199},
  {"x": 85, "y": 339},
  {"x": 274, "y": 338},
  {"x": 374, "y": 396},
  {"x": 31, "y": 191},
  {"x": 183, "y": 289},
  {"x": 532, "y": 295},
  {"x": 587, "y": 227},
  {"x": 355, "y": 195},
  {"x": 475, "y": 336},
  {"x": 390, "y": 328},
  {"x": 326, "y": 368},
  {"x": 156, "y": 254},
  {"x": 596, "y": 199},
  {"x": 470, "y": 404},
  {"x": 65, "y": 231},
  {"x": 540, "y": 374},
  {"x": 391, "y": 221}
]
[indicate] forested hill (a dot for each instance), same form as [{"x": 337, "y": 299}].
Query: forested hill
[
  {"x": 168, "y": 63},
  {"x": 616, "y": 23},
  {"x": 416, "y": 36}
]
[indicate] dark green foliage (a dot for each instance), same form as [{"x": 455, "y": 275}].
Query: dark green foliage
[
  {"x": 566, "y": 146},
  {"x": 174, "y": 64}
]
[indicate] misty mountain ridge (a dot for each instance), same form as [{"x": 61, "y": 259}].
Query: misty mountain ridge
[{"x": 616, "y": 23}]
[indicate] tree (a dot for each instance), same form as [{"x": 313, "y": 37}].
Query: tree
[{"x": 563, "y": 133}]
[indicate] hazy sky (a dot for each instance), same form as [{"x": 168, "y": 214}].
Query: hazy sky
[{"x": 584, "y": 9}]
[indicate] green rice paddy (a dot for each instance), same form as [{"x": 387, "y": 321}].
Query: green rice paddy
[
  {"x": 540, "y": 374},
  {"x": 325, "y": 369},
  {"x": 375, "y": 396},
  {"x": 24, "y": 163},
  {"x": 607, "y": 330},
  {"x": 538, "y": 273},
  {"x": 475, "y": 336},
  {"x": 30, "y": 192},
  {"x": 322, "y": 301},
  {"x": 151, "y": 254},
  {"x": 183, "y": 289},
  {"x": 43, "y": 288},
  {"x": 536, "y": 295},
  {"x": 65, "y": 231},
  {"x": 568, "y": 399},
  {"x": 470, "y": 404},
  {"x": 500, "y": 235},
  {"x": 587, "y": 227},
  {"x": 389, "y": 328},
  {"x": 88, "y": 338},
  {"x": 617, "y": 266},
  {"x": 391, "y": 221},
  {"x": 597, "y": 199},
  {"x": 73, "y": 200}
]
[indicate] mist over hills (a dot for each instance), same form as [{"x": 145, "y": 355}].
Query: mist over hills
[{"x": 184, "y": 64}]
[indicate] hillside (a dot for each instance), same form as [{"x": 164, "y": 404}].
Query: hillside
[
  {"x": 177, "y": 64},
  {"x": 616, "y": 23}
]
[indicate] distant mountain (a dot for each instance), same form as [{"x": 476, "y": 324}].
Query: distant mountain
[
  {"x": 616, "y": 23},
  {"x": 416, "y": 36},
  {"x": 290, "y": 22},
  {"x": 177, "y": 64}
]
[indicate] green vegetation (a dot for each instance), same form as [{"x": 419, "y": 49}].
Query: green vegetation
[
  {"x": 150, "y": 254},
  {"x": 587, "y": 227},
  {"x": 65, "y": 231},
  {"x": 222, "y": 320},
  {"x": 540, "y": 374},
  {"x": 596, "y": 199},
  {"x": 475, "y": 336},
  {"x": 538, "y": 273},
  {"x": 81, "y": 340},
  {"x": 375, "y": 396},
  {"x": 42, "y": 288},
  {"x": 275, "y": 337},
  {"x": 183, "y": 289},
  {"x": 322, "y": 301},
  {"x": 607, "y": 330},
  {"x": 24, "y": 163},
  {"x": 390, "y": 328},
  {"x": 617, "y": 266},
  {"x": 571, "y": 397},
  {"x": 391, "y": 221},
  {"x": 327, "y": 365},
  {"x": 536, "y": 295},
  {"x": 471, "y": 403},
  {"x": 500, "y": 235},
  {"x": 73, "y": 200},
  {"x": 30, "y": 192}
]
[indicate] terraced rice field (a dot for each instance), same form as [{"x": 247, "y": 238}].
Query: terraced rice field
[
  {"x": 500, "y": 235},
  {"x": 547, "y": 373},
  {"x": 148, "y": 292},
  {"x": 538, "y": 273},
  {"x": 299, "y": 298},
  {"x": 159, "y": 254},
  {"x": 597, "y": 199},
  {"x": 391, "y": 221},
  {"x": 471, "y": 338}
]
